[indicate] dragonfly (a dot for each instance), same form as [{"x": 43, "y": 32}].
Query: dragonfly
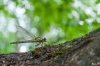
[{"x": 27, "y": 34}]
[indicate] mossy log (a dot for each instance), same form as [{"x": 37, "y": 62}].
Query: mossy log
[{"x": 82, "y": 51}]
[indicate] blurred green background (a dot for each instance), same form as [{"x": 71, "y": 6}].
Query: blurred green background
[{"x": 57, "y": 20}]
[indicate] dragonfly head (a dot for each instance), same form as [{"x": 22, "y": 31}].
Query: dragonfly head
[{"x": 44, "y": 39}]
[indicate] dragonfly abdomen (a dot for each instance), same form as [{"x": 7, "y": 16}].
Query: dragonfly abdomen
[
  {"x": 30, "y": 41},
  {"x": 17, "y": 42}
]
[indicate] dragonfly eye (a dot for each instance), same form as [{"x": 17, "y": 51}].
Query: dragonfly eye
[{"x": 44, "y": 39}]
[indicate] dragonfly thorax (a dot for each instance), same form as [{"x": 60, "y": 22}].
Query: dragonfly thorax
[{"x": 38, "y": 39}]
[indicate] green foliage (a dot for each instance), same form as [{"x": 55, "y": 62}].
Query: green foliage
[{"x": 68, "y": 18}]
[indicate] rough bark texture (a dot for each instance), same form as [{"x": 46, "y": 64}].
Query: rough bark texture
[{"x": 83, "y": 51}]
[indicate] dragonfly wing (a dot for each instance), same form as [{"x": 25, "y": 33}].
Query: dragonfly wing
[{"x": 24, "y": 33}]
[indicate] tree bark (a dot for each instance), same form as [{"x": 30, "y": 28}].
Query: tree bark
[{"x": 83, "y": 51}]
